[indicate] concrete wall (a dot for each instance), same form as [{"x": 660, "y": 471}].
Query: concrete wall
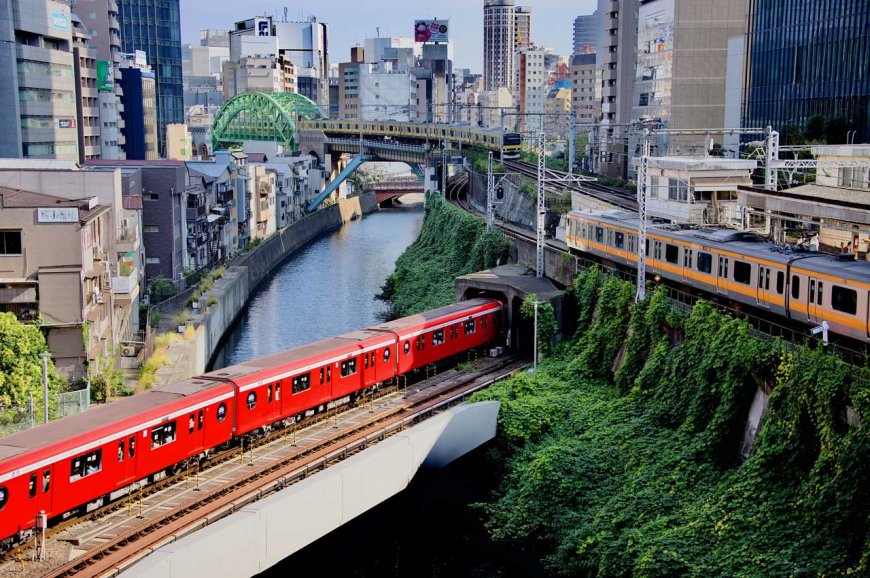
[{"x": 236, "y": 286}]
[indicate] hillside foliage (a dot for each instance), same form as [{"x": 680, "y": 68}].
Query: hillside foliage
[{"x": 622, "y": 455}]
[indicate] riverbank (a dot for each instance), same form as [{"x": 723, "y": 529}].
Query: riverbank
[{"x": 208, "y": 325}]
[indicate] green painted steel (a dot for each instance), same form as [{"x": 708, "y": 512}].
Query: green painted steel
[{"x": 262, "y": 116}]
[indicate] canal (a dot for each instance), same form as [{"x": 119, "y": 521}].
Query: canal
[{"x": 326, "y": 289}]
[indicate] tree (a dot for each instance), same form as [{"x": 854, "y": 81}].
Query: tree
[
  {"x": 547, "y": 325},
  {"x": 816, "y": 129},
  {"x": 20, "y": 364},
  {"x": 835, "y": 132},
  {"x": 161, "y": 289}
]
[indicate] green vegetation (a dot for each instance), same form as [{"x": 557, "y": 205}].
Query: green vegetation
[
  {"x": 452, "y": 243},
  {"x": 547, "y": 326},
  {"x": 160, "y": 289},
  {"x": 107, "y": 381},
  {"x": 621, "y": 456},
  {"x": 21, "y": 366}
]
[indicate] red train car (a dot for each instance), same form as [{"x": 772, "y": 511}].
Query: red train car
[
  {"x": 438, "y": 334},
  {"x": 82, "y": 459},
  {"x": 286, "y": 384}
]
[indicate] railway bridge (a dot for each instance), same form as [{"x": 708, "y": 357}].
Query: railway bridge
[{"x": 296, "y": 123}]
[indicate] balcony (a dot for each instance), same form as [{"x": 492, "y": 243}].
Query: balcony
[
  {"x": 196, "y": 213},
  {"x": 128, "y": 240},
  {"x": 126, "y": 288}
]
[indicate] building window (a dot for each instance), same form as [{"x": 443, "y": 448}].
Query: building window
[
  {"x": 150, "y": 229},
  {"x": 677, "y": 190},
  {"x": 10, "y": 242},
  {"x": 854, "y": 178},
  {"x": 152, "y": 260}
]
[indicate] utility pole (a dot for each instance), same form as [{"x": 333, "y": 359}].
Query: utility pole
[
  {"x": 535, "y": 356},
  {"x": 542, "y": 207},
  {"x": 642, "y": 172},
  {"x": 490, "y": 190},
  {"x": 572, "y": 137},
  {"x": 444, "y": 169},
  {"x": 45, "y": 356}
]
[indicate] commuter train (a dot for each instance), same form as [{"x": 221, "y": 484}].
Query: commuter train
[
  {"x": 78, "y": 463},
  {"x": 486, "y": 138},
  {"x": 738, "y": 266}
]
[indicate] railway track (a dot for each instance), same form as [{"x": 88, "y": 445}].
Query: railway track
[
  {"x": 139, "y": 526},
  {"x": 617, "y": 197}
]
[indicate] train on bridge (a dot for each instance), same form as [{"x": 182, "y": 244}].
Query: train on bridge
[
  {"x": 508, "y": 142},
  {"x": 738, "y": 267},
  {"x": 79, "y": 463}
]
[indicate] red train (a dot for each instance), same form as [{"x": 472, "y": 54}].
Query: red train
[{"x": 80, "y": 462}]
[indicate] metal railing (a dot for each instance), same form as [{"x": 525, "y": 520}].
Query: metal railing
[{"x": 17, "y": 418}]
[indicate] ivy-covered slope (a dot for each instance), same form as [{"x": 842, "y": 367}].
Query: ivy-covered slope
[
  {"x": 452, "y": 243},
  {"x": 638, "y": 473}
]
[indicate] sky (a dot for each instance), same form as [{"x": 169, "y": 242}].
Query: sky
[{"x": 352, "y": 21}]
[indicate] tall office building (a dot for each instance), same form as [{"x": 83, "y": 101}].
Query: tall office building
[
  {"x": 139, "y": 97},
  {"x": 586, "y": 29},
  {"x": 523, "y": 24},
  {"x": 87, "y": 95},
  {"x": 499, "y": 44},
  {"x": 154, "y": 26},
  {"x": 806, "y": 62},
  {"x": 38, "y": 95},
  {"x": 615, "y": 57}
]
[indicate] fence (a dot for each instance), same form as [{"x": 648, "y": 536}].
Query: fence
[{"x": 16, "y": 418}]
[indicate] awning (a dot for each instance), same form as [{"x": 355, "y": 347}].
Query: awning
[
  {"x": 212, "y": 217},
  {"x": 719, "y": 183}
]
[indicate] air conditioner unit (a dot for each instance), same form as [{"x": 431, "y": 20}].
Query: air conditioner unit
[
  {"x": 125, "y": 223},
  {"x": 99, "y": 298},
  {"x": 146, "y": 299},
  {"x": 128, "y": 351}
]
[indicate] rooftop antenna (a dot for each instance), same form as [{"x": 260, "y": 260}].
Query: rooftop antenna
[
  {"x": 378, "y": 29},
  {"x": 285, "y": 14}
]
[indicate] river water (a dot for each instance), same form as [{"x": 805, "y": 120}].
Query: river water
[{"x": 326, "y": 289}]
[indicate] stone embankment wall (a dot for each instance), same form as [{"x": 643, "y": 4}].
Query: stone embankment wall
[{"x": 190, "y": 357}]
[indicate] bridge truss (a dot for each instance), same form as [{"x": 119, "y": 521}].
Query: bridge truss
[{"x": 262, "y": 116}]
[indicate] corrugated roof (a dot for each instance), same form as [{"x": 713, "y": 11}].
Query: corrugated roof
[
  {"x": 207, "y": 168},
  {"x": 821, "y": 192}
]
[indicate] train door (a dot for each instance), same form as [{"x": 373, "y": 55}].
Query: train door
[
  {"x": 39, "y": 489},
  {"x": 815, "y": 311},
  {"x": 688, "y": 258},
  {"x": 722, "y": 277},
  {"x": 273, "y": 401},
  {"x": 762, "y": 290},
  {"x": 867, "y": 308},
  {"x": 370, "y": 366}
]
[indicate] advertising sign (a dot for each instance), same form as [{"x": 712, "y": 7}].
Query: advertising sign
[
  {"x": 64, "y": 123},
  {"x": 140, "y": 58},
  {"x": 60, "y": 20},
  {"x": 430, "y": 30},
  {"x": 105, "y": 76},
  {"x": 263, "y": 26},
  {"x": 57, "y": 215}
]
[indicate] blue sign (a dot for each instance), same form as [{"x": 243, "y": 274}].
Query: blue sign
[{"x": 60, "y": 20}]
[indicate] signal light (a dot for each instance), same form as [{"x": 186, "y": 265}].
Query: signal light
[{"x": 499, "y": 193}]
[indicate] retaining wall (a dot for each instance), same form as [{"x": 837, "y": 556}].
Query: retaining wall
[{"x": 190, "y": 357}]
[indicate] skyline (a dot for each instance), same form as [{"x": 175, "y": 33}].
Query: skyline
[{"x": 394, "y": 18}]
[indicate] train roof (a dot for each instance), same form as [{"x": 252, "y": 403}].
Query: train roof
[
  {"x": 743, "y": 242},
  {"x": 101, "y": 421},
  {"x": 454, "y": 311},
  {"x": 281, "y": 364}
]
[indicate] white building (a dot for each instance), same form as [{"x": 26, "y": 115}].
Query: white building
[{"x": 499, "y": 43}]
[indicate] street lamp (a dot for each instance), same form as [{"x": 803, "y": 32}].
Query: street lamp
[{"x": 535, "y": 354}]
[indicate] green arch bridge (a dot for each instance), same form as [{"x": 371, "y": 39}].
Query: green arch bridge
[{"x": 262, "y": 116}]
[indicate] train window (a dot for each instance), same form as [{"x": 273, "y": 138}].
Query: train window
[
  {"x": 348, "y": 367},
  {"x": 199, "y": 419},
  {"x": 469, "y": 327},
  {"x": 222, "y": 412},
  {"x": 812, "y": 291},
  {"x": 269, "y": 393},
  {"x": 121, "y": 451},
  {"x": 4, "y": 497},
  {"x": 672, "y": 253},
  {"x": 619, "y": 240},
  {"x": 687, "y": 258},
  {"x": 599, "y": 235},
  {"x": 743, "y": 272},
  {"x": 321, "y": 376},
  {"x": 767, "y": 279},
  {"x": 46, "y": 481},
  {"x": 251, "y": 400},
  {"x": 31, "y": 486},
  {"x": 372, "y": 355},
  {"x": 438, "y": 337},
  {"x": 131, "y": 446},
  {"x": 277, "y": 392},
  {"x": 843, "y": 299},
  {"x": 647, "y": 248},
  {"x": 795, "y": 287},
  {"x": 365, "y": 361},
  {"x": 329, "y": 374},
  {"x": 407, "y": 347},
  {"x": 819, "y": 294},
  {"x": 86, "y": 464},
  {"x": 723, "y": 267},
  {"x": 191, "y": 423},
  {"x": 165, "y": 434},
  {"x": 657, "y": 250},
  {"x": 780, "y": 282},
  {"x": 386, "y": 354},
  {"x": 302, "y": 383}
]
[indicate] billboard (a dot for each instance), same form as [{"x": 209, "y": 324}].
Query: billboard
[
  {"x": 430, "y": 30},
  {"x": 105, "y": 76},
  {"x": 263, "y": 26}
]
